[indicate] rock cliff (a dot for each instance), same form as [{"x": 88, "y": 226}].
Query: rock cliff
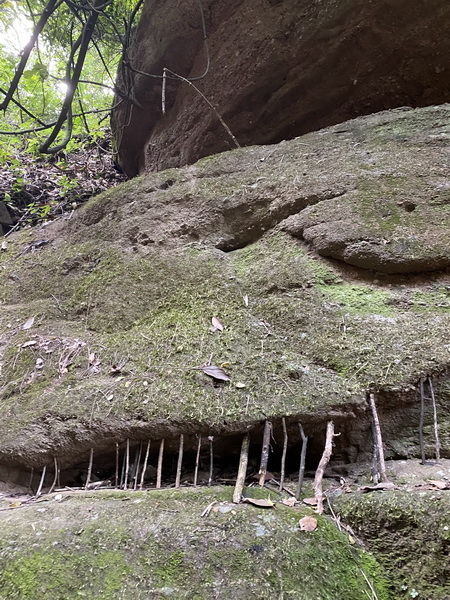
[
  {"x": 326, "y": 259},
  {"x": 272, "y": 70}
]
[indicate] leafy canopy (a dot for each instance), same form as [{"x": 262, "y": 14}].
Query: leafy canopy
[{"x": 59, "y": 86}]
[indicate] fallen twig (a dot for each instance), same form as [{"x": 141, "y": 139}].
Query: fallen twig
[
  {"x": 180, "y": 462},
  {"x": 437, "y": 444},
  {"x": 378, "y": 436},
  {"x": 318, "y": 493},
  {"x": 160, "y": 462},
  {"x": 89, "y": 473},
  {"x": 144, "y": 466},
  {"x": 283, "y": 456},
  {"x": 242, "y": 471},
  {"x": 301, "y": 470},
  {"x": 197, "y": 460},
  {"x": 265, "y": 453}
]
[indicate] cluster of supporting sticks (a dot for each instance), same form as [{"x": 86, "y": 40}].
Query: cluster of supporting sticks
[{"x": 130, "y": 473}]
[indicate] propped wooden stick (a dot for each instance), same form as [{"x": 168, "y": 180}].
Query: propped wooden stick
[
  {"x": 137, "y": 464},
  {"x": 242, "y": 471},
  {"x": 160, "y": 462},
  {"x": 437, "y": 444},
  {"x": 144, "y": 466},
  {"x": 89, "y": 473},
  {"x": 378, "y": 436},
  {"x": 127, "y": 464},
  {"x": 283, "y": 456},
  {"x": 180, "y": 462},
  {"x": 56, "y": 477},
  {"x": 116, "y": 477},
  {"x": 197, "y": 460},
  {"x": 301, "y": 469},
  {"x": 30, "y": 483},
  {"x": 211, "y": 459},
  {"x": 375, "y": 458},
  {"x": 318, "y": 492},
  {"x": 41, "y": 482},
  {"x": 421, "y": 420},
  {"x": 265, "y": 453}
]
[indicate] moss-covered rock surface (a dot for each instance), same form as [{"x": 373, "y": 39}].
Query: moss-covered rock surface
[
  {"x": 158, "y": 545},
  {"x": 325, "y": 262},
  {"x": 409, "y": 533}
]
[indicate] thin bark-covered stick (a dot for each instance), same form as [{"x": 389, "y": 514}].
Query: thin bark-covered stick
[
  {"x": 163, "y": 92},
  {"x": 160, "y": 462},
  {"x": 242, "y": 471},
  {"x": 197, "y": 460},
  {"x": 265, "y": 453},
  {"x": 89, "y": 473},
  {"x": 318, "y": 492},
  {"x": 31, "y": 480},
  {"x": 127, "y": 465},
  {"x": 137, "y": 463},
  {"x": 144, "y": 466},
  {"x": 421, "y": 419},
  {"x": 180, "y": 461},
  {"x": 301, "y": 469},
  {"x": 437, "y": 444},
  {"x": 116, "y": 478},
  {"x": 56, "y": 477},
  {"x": 376, "y": 424},
  {"x": 283, "y": 456},
  {"x": 375, "y": 457},
  {"x": 41, "y": 483},
  {"x": 211, "y": 459}
]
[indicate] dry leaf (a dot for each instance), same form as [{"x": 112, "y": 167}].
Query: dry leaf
[
  {"x": 259, "y": 502},
  {"x": 438, "y": 483},
  {"x": 28, "y": 323},
  {"x": 239, "y": 385},
  {"x": 290, "y": 501},
  {"x": 216, "y": 372},
  {"x": 217, "y": 324},
  {"x": 310, "y": 501},
  {"x": 15, "y": 504},
  {"x": 245, "y": 298},
  {"x": 308, "y": 523},
  {"x": 4, "y": 246},
  {"x": 29, "y": 343},
  {"x": 351, "y": 540},
  {"x": 387, "y": 485}
]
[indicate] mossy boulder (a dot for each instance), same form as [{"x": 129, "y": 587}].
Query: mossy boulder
[
  {"x": 122, "y": 296},
  {"x": 409, "y": 533},
  {"x": 158, "y": 545},
  {"x": 106, "y": 335}
]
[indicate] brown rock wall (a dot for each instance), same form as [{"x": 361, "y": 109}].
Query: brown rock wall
[{"x": 277, "y": 70}]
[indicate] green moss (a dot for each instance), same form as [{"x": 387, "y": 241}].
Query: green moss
[
  {"x": 55, "y": 574},
  {"x": 110, "y": 545},
  {"x": 359, "y": 299},
  {"x": 409, "y": 535}
]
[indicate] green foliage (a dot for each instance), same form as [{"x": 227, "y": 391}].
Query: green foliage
[{"x": 40, "y": 95}]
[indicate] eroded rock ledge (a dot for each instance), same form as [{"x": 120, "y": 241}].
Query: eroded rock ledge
[{"x": 122, "y": 294}]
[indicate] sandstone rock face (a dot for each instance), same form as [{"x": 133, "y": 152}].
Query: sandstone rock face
[
  {"x": 277, "y": 69},
  {"x": 123, "y": 294},
  {"x": 326, "y": 259}
]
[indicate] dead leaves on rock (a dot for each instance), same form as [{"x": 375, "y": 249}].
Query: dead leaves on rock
[
  {"x": 259, "y": 502},
  {"x": 215, "y": 372},
  {"x": 216, "y": 325},
  {"x": 308, "y": 523}
]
